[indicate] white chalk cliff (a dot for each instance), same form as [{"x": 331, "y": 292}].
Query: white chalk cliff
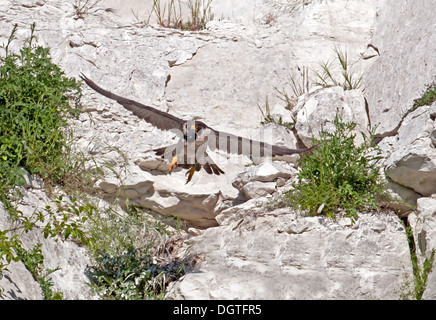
[{"x": 220, "y": 75}]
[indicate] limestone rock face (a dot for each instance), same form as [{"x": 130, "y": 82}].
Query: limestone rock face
[
  {"x": 406, "y": 43},
  {"x": 283, "y": 255},
  {"x": 219, "y": 75}
]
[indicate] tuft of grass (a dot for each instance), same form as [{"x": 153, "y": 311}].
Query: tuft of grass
[
  {"x": 170, "y": 16},
  {"x": 302, "y": 85},
  {"x": 326, "y": 77},
  {"x": 338, "y": 175},
  {"x": 81, "y": 7},
  {"x": 267, "y": 117}
]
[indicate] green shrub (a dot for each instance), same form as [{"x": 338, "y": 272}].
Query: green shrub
[
  {"x": 34, "y": 137},
  {"x": 131, "y": 255},
  {"x": 131, "y": 275},
  {"x": 338, "y": 174},
  {"x": 34, "y": 103}
]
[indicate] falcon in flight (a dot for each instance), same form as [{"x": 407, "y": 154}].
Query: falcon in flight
[{"x": 195, "y": 136}]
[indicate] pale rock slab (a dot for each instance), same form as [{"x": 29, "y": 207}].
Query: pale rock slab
[
  {"x": 257, "y": 189},
  {"x": 261, "y": 180},
  {"x": 282, "y": 255}
]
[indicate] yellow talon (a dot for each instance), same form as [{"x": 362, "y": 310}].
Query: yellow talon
[
  {"x": 173, "y": 163},
  {"x": 190, "y": 173}
]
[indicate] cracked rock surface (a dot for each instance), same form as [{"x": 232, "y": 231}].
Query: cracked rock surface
[{"x": 221, "y": 75}]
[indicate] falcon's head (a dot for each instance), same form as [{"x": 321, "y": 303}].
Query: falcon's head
[{"x": 193, "y": 130}]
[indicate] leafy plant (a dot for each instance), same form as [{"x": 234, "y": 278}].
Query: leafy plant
[
  {"x": 338, "y": 174},
  {"x": 33, "y": 260},
  {"x": 132, "y": 257},
  {"x": 131, "y": 275},
  {"x": 65, "y": 222},
  {"x": 34, "y": 104}
]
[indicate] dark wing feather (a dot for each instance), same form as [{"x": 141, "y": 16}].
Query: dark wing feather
[
  {"x": 231, "y": 143},
  {"x": 207, "y": 163},
  {"x": 159, "y": 119}
]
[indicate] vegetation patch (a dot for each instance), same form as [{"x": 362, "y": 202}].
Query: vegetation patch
[
  {"x": 349, "y": 80},
  {"x": 171, "y": 15},
  {"x": 34, "y": 106},
  {"x": 338, "y": 175},
  {"x": 133, "y": 256}
]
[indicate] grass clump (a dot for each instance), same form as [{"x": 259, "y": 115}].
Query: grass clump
[
  {"x": 268, "y": 117},
  {"x": 288, "y": 6},
  {"x": 338, "y": 175},
  {"x": 170, "y": 16},
  {"x": 81, "y": 7},
  {"x": 326, "y": 77}
]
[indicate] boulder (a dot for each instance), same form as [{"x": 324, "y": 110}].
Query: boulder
[
  {"x": 317, "y": 109},
  {"x": 257, "y": 189},
  {"x": 411, "y": 163},
  {"x": 262, "y": 180}
]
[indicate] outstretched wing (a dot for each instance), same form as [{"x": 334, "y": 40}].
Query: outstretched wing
[
  {"x": 159, "y": 119},
  {"x": 231, "y": 143}
]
